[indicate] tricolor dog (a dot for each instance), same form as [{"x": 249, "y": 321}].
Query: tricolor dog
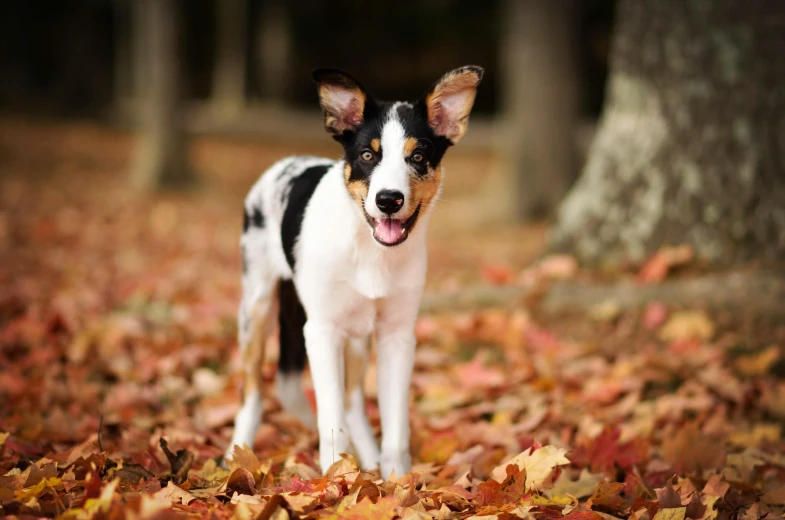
[{"x": 334, "y": 253}]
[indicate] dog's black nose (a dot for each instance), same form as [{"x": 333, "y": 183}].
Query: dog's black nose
[{"x": 389, "y": 201}]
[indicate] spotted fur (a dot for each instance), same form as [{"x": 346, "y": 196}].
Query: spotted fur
[{"x": 336, "y": 249}]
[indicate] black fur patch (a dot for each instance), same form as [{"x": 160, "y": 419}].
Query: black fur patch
[
  {"x": 302, "y": 188},
  {"x": 291, "y": 319},
  {"x": 258, "y": 218},
  {"x": 414, "y": 119}
]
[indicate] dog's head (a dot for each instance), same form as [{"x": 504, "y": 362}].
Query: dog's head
[{"x": 393, "y": 151}]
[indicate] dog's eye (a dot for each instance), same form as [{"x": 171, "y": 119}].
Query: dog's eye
[
  {"x": 366, "y": 155},
  {"x": 417, "y": 157}
]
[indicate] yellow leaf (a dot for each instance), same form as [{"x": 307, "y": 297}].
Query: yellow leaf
[
  {"x": 759, "y": 434},
  {"x": 244, "y": 457},
  {"x": 539, "y": 466},
  {"x": 583, "y": 487},
  {"x": 93, "y": 506},
  {"x": 176, "y": 494},
  {"x": 383, "y": 509},
  {"x": 686, "y": 325},
  {"x": 757, "y": 364},
  {"x": 347, "y": 464},
  {"x": 3, "y": 437},
  {"x": 35, "y": 491},
  {"x": 211, "y": 472},
  {"x": 671, "y": 513},
  {"x": 298, "y": 501}
]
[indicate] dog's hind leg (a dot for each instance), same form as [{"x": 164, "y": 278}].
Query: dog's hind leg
[
  {"x": 255, "y": 324},
  {"x": 291, "y": 363},
  {"x": 360, "y": 431}
]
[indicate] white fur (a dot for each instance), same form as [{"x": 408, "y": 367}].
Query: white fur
[
  {"x": 289, "y": 388},
  {"x": 344, "y": 280},
  {"x": 247, "y": 421},
  {"x": 392, "y": 173},
  {"x": 351, "y": 287}
]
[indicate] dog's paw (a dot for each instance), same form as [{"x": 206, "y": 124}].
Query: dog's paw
[{"x": 398, "y": 462}]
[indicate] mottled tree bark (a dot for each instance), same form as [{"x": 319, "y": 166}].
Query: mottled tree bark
[
  {"x": 160, "y": 157},
  {"x": 541, "y": 99},
  {"x": 691, "y": 146}
]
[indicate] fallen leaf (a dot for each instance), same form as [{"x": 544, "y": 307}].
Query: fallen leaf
[
  {"x": 176, "y": 494},
  {"x": 180, "y": 462},
  {"x": 657, "y": 267},
  {"x": 676, "y": 513},
  {"x": 654, "y": 315},
  {"x": 683, "y": 325},
  {"x": 241, "y": 481},
  {"x": 775, "y": 496},
  {"x": 582, "y": 487},
  {"x": 757, "y": 364},
  {"x": 539, "y": 466}
]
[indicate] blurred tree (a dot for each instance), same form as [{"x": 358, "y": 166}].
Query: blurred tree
[
  {"x": 160, "y": 157},
  {"x": 229, "y": 75},
  {"x": 541, "y": 101},
  {"x": 690, "y": 146},
  {"x": 274, "y": 47}
]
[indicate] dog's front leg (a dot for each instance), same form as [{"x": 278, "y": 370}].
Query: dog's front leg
[
  {"x": 395, "y": 363},
  {"x": 325, "y": 346}
]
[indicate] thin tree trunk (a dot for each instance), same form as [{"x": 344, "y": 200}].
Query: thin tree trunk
[
  {"x": 230, "y": 68},
  {"x": 123, "y": 87},
  {"x": 540, "y": 97},
  {"x": 275, "y": 49},
  {"x": 690, "y": 148},
  {"x": 161, "y": 148}
]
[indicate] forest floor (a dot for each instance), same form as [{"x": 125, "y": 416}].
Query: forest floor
[{"x": 117, "y": 336}]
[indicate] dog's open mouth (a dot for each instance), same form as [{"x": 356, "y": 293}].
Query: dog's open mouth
[{"x": 391, "y": 231}]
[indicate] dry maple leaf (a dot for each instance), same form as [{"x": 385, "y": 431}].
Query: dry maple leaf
[
  {"x": 605, "y": 452},
  {"x": 176, "y": 494},
  {"x": 181, "y": 461},
  {"x": 383, "y": 509},
  {"x": 539, "y": 466},
  {"x": 582, "y": 487},
  {"x": 676, "y": 513},
  {"x": 511, "y": 490}
]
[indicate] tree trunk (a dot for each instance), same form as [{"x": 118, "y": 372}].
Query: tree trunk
[
  {"x": 690, "y": 148},
  {"x": 275, "y": 49},
  {"x": 123, "y": 87},
  {"x": 230, "y": 68},
  {"x": 540, "y": 97},
  {"x": 161, "y": 148}
]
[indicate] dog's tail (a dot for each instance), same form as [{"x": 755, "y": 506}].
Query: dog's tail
[{"x": 291, "y": 362}]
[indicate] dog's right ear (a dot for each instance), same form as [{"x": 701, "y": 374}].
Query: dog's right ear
[{"x": 342, "y": 98}]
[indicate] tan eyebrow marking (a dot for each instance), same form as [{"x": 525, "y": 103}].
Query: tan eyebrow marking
[
  {"x": 410, "y": 145},
  {"x": 376, "y": 145}
]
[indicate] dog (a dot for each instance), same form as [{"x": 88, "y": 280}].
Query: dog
[{"x": 335, "y": 253}]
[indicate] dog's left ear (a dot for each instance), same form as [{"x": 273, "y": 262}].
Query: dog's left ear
[
  {"x": 343, "y": 100},
  {"x": 450, "y": 101}
]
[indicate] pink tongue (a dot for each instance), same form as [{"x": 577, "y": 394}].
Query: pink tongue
[{"x": 388, "y": 230}]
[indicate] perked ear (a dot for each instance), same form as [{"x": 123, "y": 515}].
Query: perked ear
[
  {"x": 342, "y": 99},
  {"x": 450, "y": 101}
]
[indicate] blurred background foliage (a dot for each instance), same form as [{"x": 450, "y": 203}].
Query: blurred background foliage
[
  {"x": 627, "y": 125},
  {"x": 73, "y": 58}
]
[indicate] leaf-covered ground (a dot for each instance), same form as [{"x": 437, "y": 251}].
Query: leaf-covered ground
[{"x": 119, "y": 382}]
